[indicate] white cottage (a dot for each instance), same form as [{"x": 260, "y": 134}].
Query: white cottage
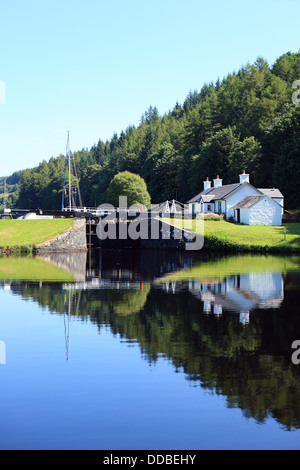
[{"x": 240, "y": 201}]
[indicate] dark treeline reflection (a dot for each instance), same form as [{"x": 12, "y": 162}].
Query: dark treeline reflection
[{"x": 248, "y": 361}]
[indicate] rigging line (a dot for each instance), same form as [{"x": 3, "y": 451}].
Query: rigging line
[
  {"x": 78, "y": 188},
  {"x": 70, "y": 188},
  {"x": 65, "y": 327},
  {"x": 67, "y": 330},
  {"x": 69, "y": 318},
  {"x": 78, "y": 302},
  {"x": 4, "y": 196},
  {"x": 64, "y": 186}
]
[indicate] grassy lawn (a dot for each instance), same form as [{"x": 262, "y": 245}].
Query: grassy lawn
[
  {"x": 33, "y": 269},
  {"x": 225, "y": 234},
  {"x": 22, "y": 233}
]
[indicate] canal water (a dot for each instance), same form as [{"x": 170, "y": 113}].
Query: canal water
[{"x": 150, "y": 350}]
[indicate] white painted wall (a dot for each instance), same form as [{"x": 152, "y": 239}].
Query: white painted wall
[
  {"x": 207, "y": 205},
  {"x": 265, "y": 212},
  {"x": 280, "y": 201},
  {"x": 197, "y": 207},
  {"x": 237, "y": 196},
  {"x": 244, "y": 216}
]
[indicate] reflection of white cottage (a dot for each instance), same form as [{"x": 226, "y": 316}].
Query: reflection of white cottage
[
  {"x": 240, "y": 201},
  {"x": 244, "y": 318},
  {"x": 241, "y": 293},
  {"x": 256, "y": 290},
  {"x": 218, "y": 309},
  {"x": 207, "y": 306}
]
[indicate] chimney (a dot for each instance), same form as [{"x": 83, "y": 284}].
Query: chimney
[
  {"x": 217, "y": 182},
  {"x": 244, "y": 177},
  {"x": 207, "y": 184}
]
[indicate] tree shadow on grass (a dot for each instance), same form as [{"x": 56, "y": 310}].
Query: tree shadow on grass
[{"x": 293, "y": 230}]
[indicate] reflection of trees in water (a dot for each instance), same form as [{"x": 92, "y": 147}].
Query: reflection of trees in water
[
  {"x": 250, "y": 365},
  {"x": 131, "y": 301}
]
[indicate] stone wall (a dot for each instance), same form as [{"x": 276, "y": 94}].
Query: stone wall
[
  {"x": 71, "y": 240},
  {"x": 72, "y": 262}
]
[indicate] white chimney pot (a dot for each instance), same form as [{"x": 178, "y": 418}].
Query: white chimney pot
[
  {"x": 207, "y": 184},
  {"x": 244, "y": 177},
  {"x": 217, "y": 182}
]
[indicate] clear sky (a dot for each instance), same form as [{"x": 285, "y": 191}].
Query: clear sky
[{"x": 93, "y": 67}]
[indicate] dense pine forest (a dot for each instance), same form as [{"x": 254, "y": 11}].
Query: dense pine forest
[{"x": 246, "y": 121}]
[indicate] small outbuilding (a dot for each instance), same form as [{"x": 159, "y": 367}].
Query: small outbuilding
[{"x": 258, "y": 210}]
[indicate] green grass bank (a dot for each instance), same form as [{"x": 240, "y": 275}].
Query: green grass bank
[
  {"x": 22, "y": 236},
  {"x": 31, "y": 268},
  {"x": 220, "y": 235},
  {"x": 216, "y": 270}
]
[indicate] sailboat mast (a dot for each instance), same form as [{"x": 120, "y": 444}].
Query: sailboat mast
[
  {"x": 4, "y": 197},
  {"x": 68, "y": 162},
  {"x": 69, "y": 158}
]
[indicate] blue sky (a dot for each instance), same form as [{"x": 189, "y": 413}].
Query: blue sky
[{"x": 94, "y": 67}]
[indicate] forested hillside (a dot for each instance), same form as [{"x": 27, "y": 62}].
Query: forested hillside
[
  {"x": 11, "y": 185},
  {"x": 246, "y": 121}
]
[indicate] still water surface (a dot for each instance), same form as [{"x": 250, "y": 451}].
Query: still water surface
[{"x": 146, "y": 350}]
